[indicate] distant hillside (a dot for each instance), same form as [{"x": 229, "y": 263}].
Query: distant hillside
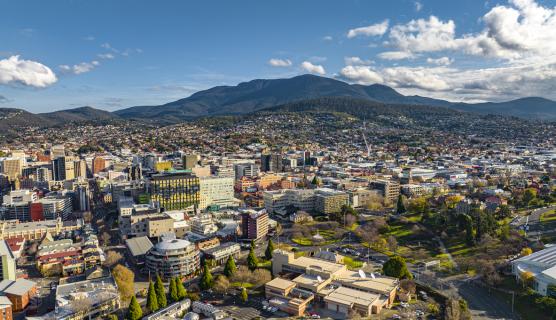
[
  {"x": 531, "y": 107},
  {"x": 13, "y": 119},
  {"x": 79, "y": 115},
  {"x": 259, "y": 94}
]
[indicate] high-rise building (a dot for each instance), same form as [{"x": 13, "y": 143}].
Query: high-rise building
[
  {"x": 17, "y": 205},
  {"x": 57, "y": 151},
  {"x": 254, "y": 224},
  {"x": 174, "y": 190},
  {"x": 79, "y": 169},
  {"x": 7, "y": 263},
  {"x": 265, "y": 162},
  {"x": 173, "y": 257},
  {"x": 136, "y": 171},
  {"x": 13, "y": 167},
  {"x": 216, "y": 191},
  {"x": 63, "y": 168},
  {"x": 276, "y": 163},
  {"x": 99, "y": 164},
  {"x": 390, "y": 189},
  {"x": 249, "y": 170},
  {"x": 190, "y": 161}
]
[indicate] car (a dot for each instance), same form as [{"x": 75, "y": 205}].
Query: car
[
  {"x": 315, "y": 316},
  {"x": 396, "y": 316},
  {"x": 273, "y": 309}
]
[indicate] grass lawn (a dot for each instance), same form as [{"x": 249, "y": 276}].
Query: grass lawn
[
  {"x": 245, "y": 285},
  {"x": 352, "y": 264},
  {"x": 328, "y": 236},
  {"x": 549, "y": 216},
  {"x": 265, "y": 264}
]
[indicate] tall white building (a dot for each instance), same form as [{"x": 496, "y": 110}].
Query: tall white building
[{"x": 216, "y": 191}]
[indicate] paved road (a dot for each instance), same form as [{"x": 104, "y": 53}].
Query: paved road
[{"x": 482, "y": 303}]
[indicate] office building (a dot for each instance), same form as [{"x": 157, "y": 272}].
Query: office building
[
  {"x": 203, "y": 224},
  {"x": 254, "y": 224},
  {"x": 17, "y": 205},
  {"x": 56, "y": 206},
  {"x": 190, "y": 161},
  {"x": 216, "y": 192},
  {"x": 79, "y": 168},
  {"x": 249, "y": 170},
  {"x": 7, "y": 262},
  {"x": 173, "y": 257},
  {"x": 389, "y": 189},
  {"x": 330, "y": 201},
  {"x": 174, "y": 190},
  {"x": 13, "y": 167},
  {"x": 99, "y": 164},
  {"x": 265, "y": 162}
]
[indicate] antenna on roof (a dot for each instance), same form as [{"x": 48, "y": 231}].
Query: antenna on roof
[
  {"x": 373, "y": 275},
  {"x": 319, "y": 279},
  {"x": 362, "y": 274}
]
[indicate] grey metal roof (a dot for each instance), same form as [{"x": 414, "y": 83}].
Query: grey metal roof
[
  {"x": 18, "y": 287},
  {"x": 139, "y": 246}
]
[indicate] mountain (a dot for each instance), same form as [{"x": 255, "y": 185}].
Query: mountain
[
  {"x": 81, "y": 114},
  {"x": 530, "y": 107},
  {"x": 259, "y": 94},
  {"x": 12, "y": 119}
]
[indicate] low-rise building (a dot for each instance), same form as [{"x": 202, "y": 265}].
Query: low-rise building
[
  {"x": 221, "y": 253},
  {"x": 173, "y": 257}
]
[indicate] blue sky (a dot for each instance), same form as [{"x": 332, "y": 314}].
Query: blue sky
[{"x": 115, "y": 54}]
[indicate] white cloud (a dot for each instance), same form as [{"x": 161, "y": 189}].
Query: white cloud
[
  {"x": 396, "y": 55},
  {"x": 356, "y": 61},
  {"x": 373, "y": 30},
  {"x": 279, "y": 62},
  {"x": 82, "y": 67},
  {"x": 89, "y": 38},
  {"x": 418, "y": 6},
  {"x": 105, "y": 56},
  {"x": 327, "y": 38},
  {"x": 27, "y": 72},
  {"x": 444, "y": 61},
  {"x": 313, "y": 68},
  {"x": 423, "y": 35},
  {"x": 361, "y": 74},
  {"x": 522, "y": 29}
]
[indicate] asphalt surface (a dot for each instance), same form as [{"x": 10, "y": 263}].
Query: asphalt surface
[{"x": 484, "y": 304}]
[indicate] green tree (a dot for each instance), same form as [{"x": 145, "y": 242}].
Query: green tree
[
  {"x": 396, "y": 267},
  {"x": 206, "y": 280},
  {"x": 125, "y": 280},
  {"x": 252, "y": 261},
  {"x": 152, "y": 302},
  {"x": 269, "y": 250},
  {"x": 173, "y": 290},
  {"x": 182, "y": 293},
  {"x": 134, "y": 311},
  {"x": 244, "y": 296},
  {"x": 230, "y": 267},
  {"x": 400, "y": 207},
  {"x": 160, "y": 292}
]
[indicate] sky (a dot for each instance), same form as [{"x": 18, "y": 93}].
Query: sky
[{"x": 115, "y": 54}]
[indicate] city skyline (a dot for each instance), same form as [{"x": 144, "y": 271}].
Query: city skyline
[{"x": 117, "y": 55}]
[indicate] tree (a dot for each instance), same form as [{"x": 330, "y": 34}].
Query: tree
[
  {"x": 396, "y": 267},
  {"x": 221, "y": 284},
  {"x": 269, "y": 250},
  {"x": 526, "y": 251},
  {"x": 182, "y": 293},
  {"x": 252, "y": 261},
  {"x": 230, "y": 267},
  {"x": 206, "y": 280},
  {"x": 244, "y": 296},
  {"x": 392, "y": 243},
  {"x": 134, "y": 311},
  {"x": 173, "y": 289},
  {"x": 160, "y": 292},
  {"x": 527, "y": 277},
  {"x": 152, "y": 302},
  {"x": 124, "y": 279},
  {"x": 112, "y": 259},
  {"x": 408, "y": 285},
  {"x": 529, "y": 195},
  {"x": 400, "y": 207},
  {"x": 105, "y": 238}
]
